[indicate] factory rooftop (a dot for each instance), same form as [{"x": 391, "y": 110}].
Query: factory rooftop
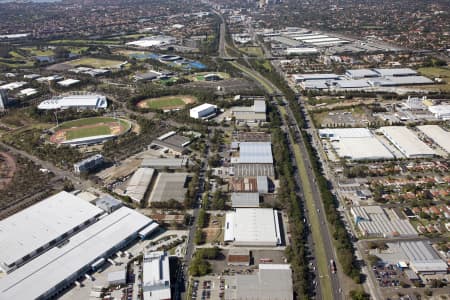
[
  {"x": 407, "y": 142},
  {"x": 139, "y": 183},
  {"x": 440, "y": 136},
  {"x": 91, "y": 101},
  {"x": 253, "y": 227},
  {"x": 374, "y": 221},
  {"x": 422, "y": 258},
  {"x": 35, "y": 227},
  {"x": 396, "y": 72},
  {"x": 272, "y": 281},
  {"x": 245, "y": 199},
  {"x": 254, "y": 153},
  {"x": 60, "y": 266},
  {"x": 169, "y": 186},
  {"x": 356, "y": 143},
  {"x": 156, "y": 276}
]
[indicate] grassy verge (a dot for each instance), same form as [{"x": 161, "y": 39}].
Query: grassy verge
[{"x": 249, "y": 72}]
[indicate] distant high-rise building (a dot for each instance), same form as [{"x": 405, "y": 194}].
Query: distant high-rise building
[{"x": 4, "y": 100}]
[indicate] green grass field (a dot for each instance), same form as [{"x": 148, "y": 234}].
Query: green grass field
[
  {"x": 87, "y": 127},
  {"x": 253, "y": 51},
  {"x": 95, "y": 62},
  {"x": 437, "y": 72},
  {"x": 87, "y": 132},
  {"x": 162, "y": 103},
  {"x": 167, "y": 102},
  {"x": 85, "y": 122}
]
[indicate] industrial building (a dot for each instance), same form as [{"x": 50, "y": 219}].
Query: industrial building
[
  {"x": 258, "y": 227},
  {"x": 400, "y": 80},
  {"x": 270, "y": 282},
  {"x": 374, "y": 221},
  {"x": 88, "y": 164},
  {"x": 165, "y": 163},
  {"x": 156, "y": 276},
  {"x": 419, "y": 256},
  {"x": 356, "y": 143},
  {"x": 203, "y": 111},
  {"x": 258, "y": 184},
  {"x": 440, "y": 111},
  {"x": 4, "y": 100},
  {"x": 407, "y": 142},
  {"x": 306, "y": 77},
  {"x": 439, "y": 136},
  {"x": 239, "y": 200},
  {"x": 253, "y": 159},
  {"x": 397, "y": 72},
  {"x": 301, "y": 50},
  {"x": 50, "y": 245},
  {"x": 68, "y": 82},
  {"x": 138, "y": 184},
  {"x": 169, "y": 186},
  {"x": 238, "y": 257},
  {"x": 153, "y": 41},
  {"x": 172, "y": 142},
  {"x": 253, "y": 114},
  {"x": 78, "y": 102},
  {"x": 108, "y": 203},
  {"x": 361, "y": 73}
]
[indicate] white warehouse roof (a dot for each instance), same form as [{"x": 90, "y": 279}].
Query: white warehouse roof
[
  {"x": 396, "y": 72},
  {"x": 202, "y": 107},
  {"x": 36, "y": 226},
  {"x": 356, "y": 143},
  {"x": 254, "y": 153},
  {"x": 156, "y": 276},
  {"x": 361, "y": 73},
  {"x": 438, "y": 135},
  {"x": 253, "y": 227},
  {"x": 62, "y": 265},
  {"x": 407, "y": 142},
  {"x": 92, "y": 101}
]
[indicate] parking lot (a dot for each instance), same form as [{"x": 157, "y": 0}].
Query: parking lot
[
  {"x": 389, "y": 276},
  {"x": 208, "y": 287}
]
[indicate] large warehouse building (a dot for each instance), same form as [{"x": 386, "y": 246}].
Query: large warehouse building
[
  {"x": 253, "y": 159},
  {"x": 156, "y": 276},
  {"x": 79, "y": 102},
  {"x": 438, "y": 135},
  {"x": 374, "y": 221},
  {"x": 270, "y": 282},
  {"x": 138, "y": 185},
  {"x": 253, "y": 227},
  {"x": 203, "y": 111},
  {"x": 407, "y": 142},
  {"x": 356, "y": 143},
  {"x": 418, "y": 255},
  {"x": 59, "y": 240}
]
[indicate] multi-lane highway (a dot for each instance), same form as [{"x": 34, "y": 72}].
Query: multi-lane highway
[{"x": 328, "y": 284}]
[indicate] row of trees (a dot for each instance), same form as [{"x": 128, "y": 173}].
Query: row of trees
[{"x": 296, "y": 252}]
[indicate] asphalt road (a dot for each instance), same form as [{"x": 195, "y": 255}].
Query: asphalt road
[{"x": 326, "y": 235}]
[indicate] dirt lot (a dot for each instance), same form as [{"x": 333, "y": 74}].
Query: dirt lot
[
  {"x": 214, "y": 232},
  {"x": 7, "y": 169}
]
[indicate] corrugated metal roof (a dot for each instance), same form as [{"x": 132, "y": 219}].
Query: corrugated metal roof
[
  {"x": 245, "y": 200},
  {"x": 255, "y": 153}
]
